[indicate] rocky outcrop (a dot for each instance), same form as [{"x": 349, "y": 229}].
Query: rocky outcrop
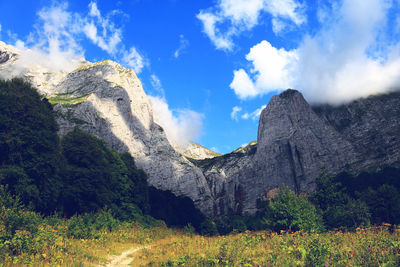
[{"x": 295, "y": 141}]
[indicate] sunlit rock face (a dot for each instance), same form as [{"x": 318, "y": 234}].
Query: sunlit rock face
[{"x": 295, "y": 140}]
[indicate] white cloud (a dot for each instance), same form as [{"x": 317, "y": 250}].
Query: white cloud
[
  {"x": 234, "y": 113},
  {"x": 253, "y": 115},
  {"x": 229, "y": 18},
  {"x": 221, "y": 41},
  {"x": 245, "y": 116},
  {"x": 271, "y": 71},
  {"x": 243, "y": 85},
  {"x": 102, "y": 30},
  {"x": 157, "y": 86},
  {"x": 56, "y": 40},
  {"x": 94, "y": 11},
  {"x": 53, "y": 44},
  {"x": 133, "y": 60},
  {"x": 346, "y": 59},
  {"x": 183, "y": 44},
  {"x": 180, "y": 126},
  {"x": 286, "y": 9}
]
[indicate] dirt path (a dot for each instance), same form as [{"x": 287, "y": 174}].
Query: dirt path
[{"x": 124, "y": 259}]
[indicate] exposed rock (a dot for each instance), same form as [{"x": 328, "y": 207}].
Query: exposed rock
[
  {"x": 295, "y": 141},
  {"x": 196, "y": 151},
  {"x": 108, "y": 101}
]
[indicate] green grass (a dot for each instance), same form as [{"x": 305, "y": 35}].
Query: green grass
[
  {"x": 375, "y": 246},
  {"x": 365, "y": 247},
  {"x": 67, "y": 98}
]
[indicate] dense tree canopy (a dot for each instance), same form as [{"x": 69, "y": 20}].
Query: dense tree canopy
[{"x": 29, "y": 145}]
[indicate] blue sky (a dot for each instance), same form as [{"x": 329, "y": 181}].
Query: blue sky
[{"x": 212, "y": 65}]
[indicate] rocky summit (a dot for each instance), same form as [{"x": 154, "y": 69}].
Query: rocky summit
[{"x": 296, "y": 141}]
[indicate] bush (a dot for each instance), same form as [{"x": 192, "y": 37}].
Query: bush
[{"x": 286, "y": 211}]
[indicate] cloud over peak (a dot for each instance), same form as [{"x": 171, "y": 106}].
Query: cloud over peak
[
  {"x": 56, "y": 42},
  {"x": 350, "y": 56}
]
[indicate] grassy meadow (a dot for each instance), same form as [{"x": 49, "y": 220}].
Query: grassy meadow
[{"x": 162, "y": 246}]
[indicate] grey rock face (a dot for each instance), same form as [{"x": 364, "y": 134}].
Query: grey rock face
[
  {"x": 296, "y": 142},
  {"x": 371, "y": 125}
]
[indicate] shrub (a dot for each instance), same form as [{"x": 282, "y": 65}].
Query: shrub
[{"x": 287, "y": 211}]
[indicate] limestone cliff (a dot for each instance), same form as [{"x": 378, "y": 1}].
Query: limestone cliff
[
  {"x": 108, "y": 101},
  {"x": 296, "y": 142}
]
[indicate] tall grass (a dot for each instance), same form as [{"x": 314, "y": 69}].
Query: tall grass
[{"x": 375, "y": 246}]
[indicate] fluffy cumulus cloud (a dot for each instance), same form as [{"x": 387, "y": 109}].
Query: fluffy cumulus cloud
[
  {"x": 351, "y": 56},
  {"x": 55, "y": 42},
  {"x": 229, "y": 18},
  {"x": 181, "y": 126},
  {"x": 272, "y": 68}
]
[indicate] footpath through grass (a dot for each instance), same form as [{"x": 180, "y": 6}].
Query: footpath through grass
[{"x": 376, "y": 246}]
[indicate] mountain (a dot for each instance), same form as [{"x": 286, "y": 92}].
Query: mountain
[{"x": 296, "y": 141}]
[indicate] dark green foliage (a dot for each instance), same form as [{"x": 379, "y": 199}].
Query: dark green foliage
[
  {"x": 375, "y": 178},
  {"x": 287, "y": 211},
  {"x": 140, "y": 190},
  {"x": 384, "y": 203},
  {"x": 175, "y": 211},
  {"x": 19, "y": 183},
  {"x": 369, "y": 197},
  {"x": 28, "y": 139},
  {"x": 96, "y": 176},
  {"x": 338, "y": 209},
  {"x": 208, "y": 227}
]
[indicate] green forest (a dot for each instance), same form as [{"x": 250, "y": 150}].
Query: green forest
[{"x": 77, "y": 182}]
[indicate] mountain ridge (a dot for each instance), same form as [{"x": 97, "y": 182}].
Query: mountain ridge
[{"x": 296, "y": 141}]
